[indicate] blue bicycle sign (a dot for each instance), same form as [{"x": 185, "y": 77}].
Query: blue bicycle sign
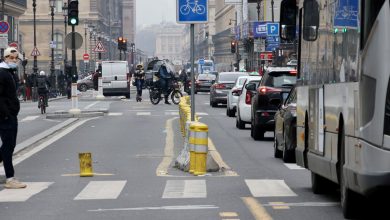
[
  {"x": 192, "y": 6},
  {"x": 192, "y": 11}
]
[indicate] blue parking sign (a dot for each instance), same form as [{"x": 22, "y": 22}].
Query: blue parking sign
[
  {"x": 272, "y": 29},
  {"x": 192, "y": 11}
]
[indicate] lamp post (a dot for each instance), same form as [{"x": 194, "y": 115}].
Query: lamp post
[
  {"x": 65, "y": 13},
  {"x": 85, "y": 46},
  {"x": 258, "y": 10},
  {"x": 52, "y": 45},
  {"x": 35, "y": 63},
  {"x": 272, "y": 5}
]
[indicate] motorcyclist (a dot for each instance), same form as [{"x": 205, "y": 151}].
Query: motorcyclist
[
  {"x": 165, "y": 81},
  {"x": 43, "y": 87},
  {"x": 139, "y": 76}
]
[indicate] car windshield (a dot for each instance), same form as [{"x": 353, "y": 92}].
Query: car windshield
[
  {"x": 230, "y": 77},
  {"x": 280, "y": 80},
  {"x": 241, "y": 81}
]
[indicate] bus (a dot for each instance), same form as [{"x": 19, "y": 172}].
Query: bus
[
  {"x": 207, "y": 66},
  {"x": 343, "y": 90}
]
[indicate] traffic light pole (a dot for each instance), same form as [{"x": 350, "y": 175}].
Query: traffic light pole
[{"x": 75, "y": 109}]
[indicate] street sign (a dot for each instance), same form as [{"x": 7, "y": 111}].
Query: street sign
[
  {"x": 86, "y": 56},
  {"x": 52, "y": 44},
  {"x": 201, "y": 61},
  {"x": 272, "y": 29},
  {"x": 3, "y": 41},
  {"x": 192, "y": 11},
  {"x": 35, "y": 52},
  {"x": 99, "y": 47},
  {"x": 4, "y": 27},
  {"x": 347, "y": 13},
  {"x": 13, "y": 44},
  {"x": 259, "y": 29},
  {"x": 78, "y": 40}
]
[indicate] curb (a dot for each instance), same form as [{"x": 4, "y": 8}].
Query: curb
[{"x": 70, "y": 115}]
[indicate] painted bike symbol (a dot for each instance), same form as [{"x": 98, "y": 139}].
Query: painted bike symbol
[{"x": 192, "y": 6}]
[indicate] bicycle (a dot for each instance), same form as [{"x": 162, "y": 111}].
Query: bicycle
[
  {"x": 194, "y": 7},
  {"x": 42, "y": 104},
  {"x": 156, "y": 93}
]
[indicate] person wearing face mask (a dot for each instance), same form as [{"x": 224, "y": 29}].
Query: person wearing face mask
[{"x": 9, "y": 109}]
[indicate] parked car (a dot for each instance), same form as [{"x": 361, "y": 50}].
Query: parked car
[
  {"x": 244, "y": 101},
  {"x": 276, "y": 81},
  {"x": 233, "y": 95},
  {"x": 223, "y": 83},
  {"x": 85, "y": 83},
  {"x": 285, "y": 140}
]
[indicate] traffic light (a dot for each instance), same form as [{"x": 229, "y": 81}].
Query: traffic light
[
  {"x": 233, "y": 46},
  {"x": 73, "y": 12},
  {"x": 120, "y": 43},
  {"x": 124, "y": 44}
]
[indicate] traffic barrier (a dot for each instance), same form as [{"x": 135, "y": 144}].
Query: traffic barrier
[
  {"x": 200, "y": 148},
  {"x": 85, "y": 164},
  {"x": 191, "y": 148}
]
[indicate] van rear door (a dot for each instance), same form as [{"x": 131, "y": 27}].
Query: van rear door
[{"x": 114, "y": 75}]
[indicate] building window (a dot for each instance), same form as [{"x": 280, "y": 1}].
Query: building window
[
  {"x": 58, "y": 50},
  {"x": 58, "y": 6}
]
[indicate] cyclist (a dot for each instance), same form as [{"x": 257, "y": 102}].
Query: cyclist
[
  {"x": 139, "y": 76},
  {"x": 43, "y": 87}
]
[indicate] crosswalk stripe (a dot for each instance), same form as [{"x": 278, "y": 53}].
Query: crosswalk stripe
[
  {"x": 29, "y": 118},
  {"x": 115, "y": 114},
  {"x": 143, "y": 113},
  {"x": 185, "y": 189},
  {"x": 101, "y": 190},
  {"x": 202, "y": 113},
  {"x": 21, "y": 195},
  {"x": 171, "y": 113},
  {"x": 293, "y": 166},
  {"x": 269, "y": 188}
]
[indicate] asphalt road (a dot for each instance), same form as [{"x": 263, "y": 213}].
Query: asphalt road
[{"x": 128, "y": 146}]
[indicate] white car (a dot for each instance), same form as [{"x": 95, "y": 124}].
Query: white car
[
  {"x": 244, "y": 102},
  {"x": 233, "y": 95}
]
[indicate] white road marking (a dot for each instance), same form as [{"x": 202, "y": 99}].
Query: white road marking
[
  {"x": 172, "y": 113},
  {"x": 303, "y": 204},
  {"x": 21, "y": 195},
  {"x": 179, "y": 207},
  {"x": 101, "y": 190},
  {"x": 202, "y": 113},
  {"x": 143, "y": 113},
  {"x": 185, "y": 189},
  {"x": 90, "y": 105},
  {"x": 115, "y": 114},
  {"x": 293, "y": 166},
  {"x": 269, "y": 188},
  {"x": 29, "y": 118}
]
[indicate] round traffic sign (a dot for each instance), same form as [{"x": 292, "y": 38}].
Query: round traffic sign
[
  {"x": 4, "y": 27},
  {"x": 86, "y": 56},
  {"x": 13, "y": 44}
]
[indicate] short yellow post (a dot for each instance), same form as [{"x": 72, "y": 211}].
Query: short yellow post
[
  {"x": 191, "y": 142},
  {"x": 85, "y": 164},
  {"x": 201, "y": 148}
]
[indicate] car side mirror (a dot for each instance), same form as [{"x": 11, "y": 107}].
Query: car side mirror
[{"x": 250, "y": 86}]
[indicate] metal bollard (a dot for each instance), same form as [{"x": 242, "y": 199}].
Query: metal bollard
[
  {"x": 191, "y": 144},
  {"x": 85, "y": 164},
  {"x": 201, "y": 148}
]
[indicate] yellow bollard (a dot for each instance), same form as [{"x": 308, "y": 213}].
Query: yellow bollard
[
  {"x": 85, "y": 164},
  {"x": 201, "y": 148},
  {"x": 191, "y": 143}
]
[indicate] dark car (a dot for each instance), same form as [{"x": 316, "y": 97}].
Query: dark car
[
  {"x": 223, "y": 83},
  {"x": 204, "y": 82},
  {"x": 277, "y": 81},
  {"x": 85, "y": 83},
  {"x": 285, "y": 140}
]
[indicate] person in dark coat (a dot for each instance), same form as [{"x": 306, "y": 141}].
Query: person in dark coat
[{"x": 9, "y": 110}]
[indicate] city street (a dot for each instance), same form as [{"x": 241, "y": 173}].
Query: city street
[{"x": 128, "y": 145}]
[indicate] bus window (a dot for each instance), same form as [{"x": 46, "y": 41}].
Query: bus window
[
  {"x": 370, "y": 9},
  {"x": 311, "y": 20}
]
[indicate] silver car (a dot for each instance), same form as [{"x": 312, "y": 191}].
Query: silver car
[
  {"x": 233, "y": 95},
  {"x": 223, "y": 83},
  {"x": 85, "y": 83}
]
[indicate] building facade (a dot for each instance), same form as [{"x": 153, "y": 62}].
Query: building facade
[{"x": 169, "y": 41}]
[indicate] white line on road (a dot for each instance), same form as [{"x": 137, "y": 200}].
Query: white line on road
[
  {"x": 185, "y": 189},
  {"x": 162, "y": 169},
  {"x": 101, "y": 190},
  {"x": 90, "y": 105},
  {"x": 172, "y": 113},
  {"x": 179, "y": 207},
  {"x": 302, "y": 204},
  {"x": 143, "y": 113},
  {"x": 115, "y": 114},
  {"x": 269, "y": 188},
  {"x": 21, "y": 195},
  {"x": 293, "y": 166},
  {"x": 202, "y": 113},
  {"x": 29, "y": 118}
]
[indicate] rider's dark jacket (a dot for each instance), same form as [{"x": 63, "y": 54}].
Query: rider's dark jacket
[{"x": 9, "y": 102}]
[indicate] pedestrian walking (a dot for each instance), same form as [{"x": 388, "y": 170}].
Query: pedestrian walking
[
  {"x": 9, "y": 109},
  {"x": 139, "y": 77}
]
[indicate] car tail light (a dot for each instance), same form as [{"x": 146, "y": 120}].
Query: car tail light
[
  {"x": 265, "y": 114},
  {"x": 263, "y": 90},
  {"x": 219, "y": 86},
  {"x": 248, "y": 98},
  {"x": 293, "y": 72}
]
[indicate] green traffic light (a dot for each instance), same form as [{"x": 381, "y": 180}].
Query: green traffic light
[
  {"x": 336, "y": 30},
  {"x": 73, "y": 21}
]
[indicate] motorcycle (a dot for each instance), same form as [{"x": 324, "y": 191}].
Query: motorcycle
[{"x": 156, "y": 92}]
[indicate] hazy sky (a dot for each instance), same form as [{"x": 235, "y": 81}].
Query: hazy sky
[{"x": 154, "y": 11}]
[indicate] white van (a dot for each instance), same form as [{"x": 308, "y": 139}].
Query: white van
[{"x": 115, "y": 76}]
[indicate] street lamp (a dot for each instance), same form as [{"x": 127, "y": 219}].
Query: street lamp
[
  {"x": 85, "y": 46},
  {"x": 35, "y": 64},
  {"x": 52, "y": 45},
  {"x": 258, "y": 10}
]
